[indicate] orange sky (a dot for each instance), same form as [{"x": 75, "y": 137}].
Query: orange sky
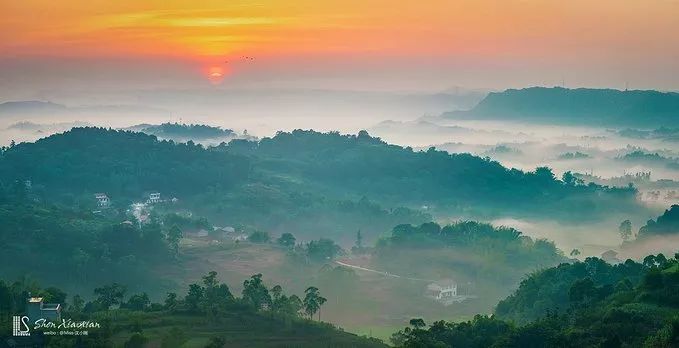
[{"x": 493, "y": 32}]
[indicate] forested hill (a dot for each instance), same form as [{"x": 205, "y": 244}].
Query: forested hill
[
  {"x": 604, "y": 107},
  {"x": 122, "y": 164},
  {"x": 666, "y": 224},
  {"x": 296, "y": 169},
  {"x": 584, "y": 304},
  {"x": 364, "y": 165},
  {"x": 185, "y": 132}
]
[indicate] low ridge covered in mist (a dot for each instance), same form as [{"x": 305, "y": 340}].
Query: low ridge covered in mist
[{"x": 582, "y": 106}]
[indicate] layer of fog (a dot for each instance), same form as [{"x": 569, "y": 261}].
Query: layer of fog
[
  {"x": 262, "y": 112},
  {"x": 597, "y": 152},
  {"x": 527, "y": 146},
  {"x": 396, "y": 118}
]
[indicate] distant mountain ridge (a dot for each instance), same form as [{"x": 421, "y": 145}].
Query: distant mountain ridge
[
  {"x": 603, "y": 107},
  {"x": 30, "y": 105},
  {"x": 27, "y": 108}
]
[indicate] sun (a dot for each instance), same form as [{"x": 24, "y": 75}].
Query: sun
[{"x": 216, "y": 74}]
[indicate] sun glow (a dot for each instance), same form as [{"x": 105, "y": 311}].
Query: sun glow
[{"x": 216, "y": 74}]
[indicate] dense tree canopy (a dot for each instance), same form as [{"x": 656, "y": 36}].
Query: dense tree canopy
[
  {"x": 64, "y": 245},
  {"x": 585, "y": 304},
  {"x": 468, "y": 246},
  {"x": 666, "y": 224},
  {"x": 366, "y": 165},
  {"x": 178, "y": 131},
  {"x": 295, "y": 178},
  {"x": 550, "y": 289},
  {"x": 122, "y": 164}
]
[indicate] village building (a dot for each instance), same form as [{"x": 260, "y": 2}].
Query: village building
[
  {"x": 447, "y": 292},
  {"x": 154, "y": 198},
  {"x": 241, "y": 237},
  {"x": 223, "y": 232},
  {"x": 37, "y": 309},
  {"x": 102, "y": 200},
  {"x": 442, "y": 290}
]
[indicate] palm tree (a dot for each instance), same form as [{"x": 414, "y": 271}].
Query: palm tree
[
  {"x": 313, "y": 302},
  {"x": 321, "y": 300}
]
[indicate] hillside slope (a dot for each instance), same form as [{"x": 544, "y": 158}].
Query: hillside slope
[
  {"x": 293, "y": 172},
  {"x": 584, "y": 304}
]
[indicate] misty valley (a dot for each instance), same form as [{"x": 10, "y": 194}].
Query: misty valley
[{"x": 527, "y": 219}]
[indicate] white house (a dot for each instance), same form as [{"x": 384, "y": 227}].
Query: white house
[
  {"x": 240, "y": 237},
  {"x": 442, "y": 290},
  {"x": 154, "y": 197},
  {"x": 102, "y": 200}
]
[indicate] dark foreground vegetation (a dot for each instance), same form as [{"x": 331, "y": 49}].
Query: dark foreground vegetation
[
  {"x": 584, "y": 304},
  {"x": 208, "y": 315}
]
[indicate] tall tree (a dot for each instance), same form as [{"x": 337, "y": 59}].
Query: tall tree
[
  {"x": 138, "y": 302},
  {"x": 110, "y": 295},
  {"x": 174, "y": 235},
  {"x": 216, "y": 296},
  {"x": 287, "y": 240},
  {"x": 313, "y": 301},
  {"x": 194, "y": 297},
  {"x": 359, "y": 240},
  {"x": 171, "y": 301},
  {"x": 255, "y": 293},
  {"x": 625, "y": 230},
  {"x": 322, "y": 249}
]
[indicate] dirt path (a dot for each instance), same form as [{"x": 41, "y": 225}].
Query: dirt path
[{"x": 381, "y": 272}]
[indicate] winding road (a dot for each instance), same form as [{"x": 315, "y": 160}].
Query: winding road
[{"x": 381, "y": 272}]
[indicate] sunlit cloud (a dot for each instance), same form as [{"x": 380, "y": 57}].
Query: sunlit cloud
[
  {"x": 223, "y": 21},
  {"x": 606, "y": 35}
]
